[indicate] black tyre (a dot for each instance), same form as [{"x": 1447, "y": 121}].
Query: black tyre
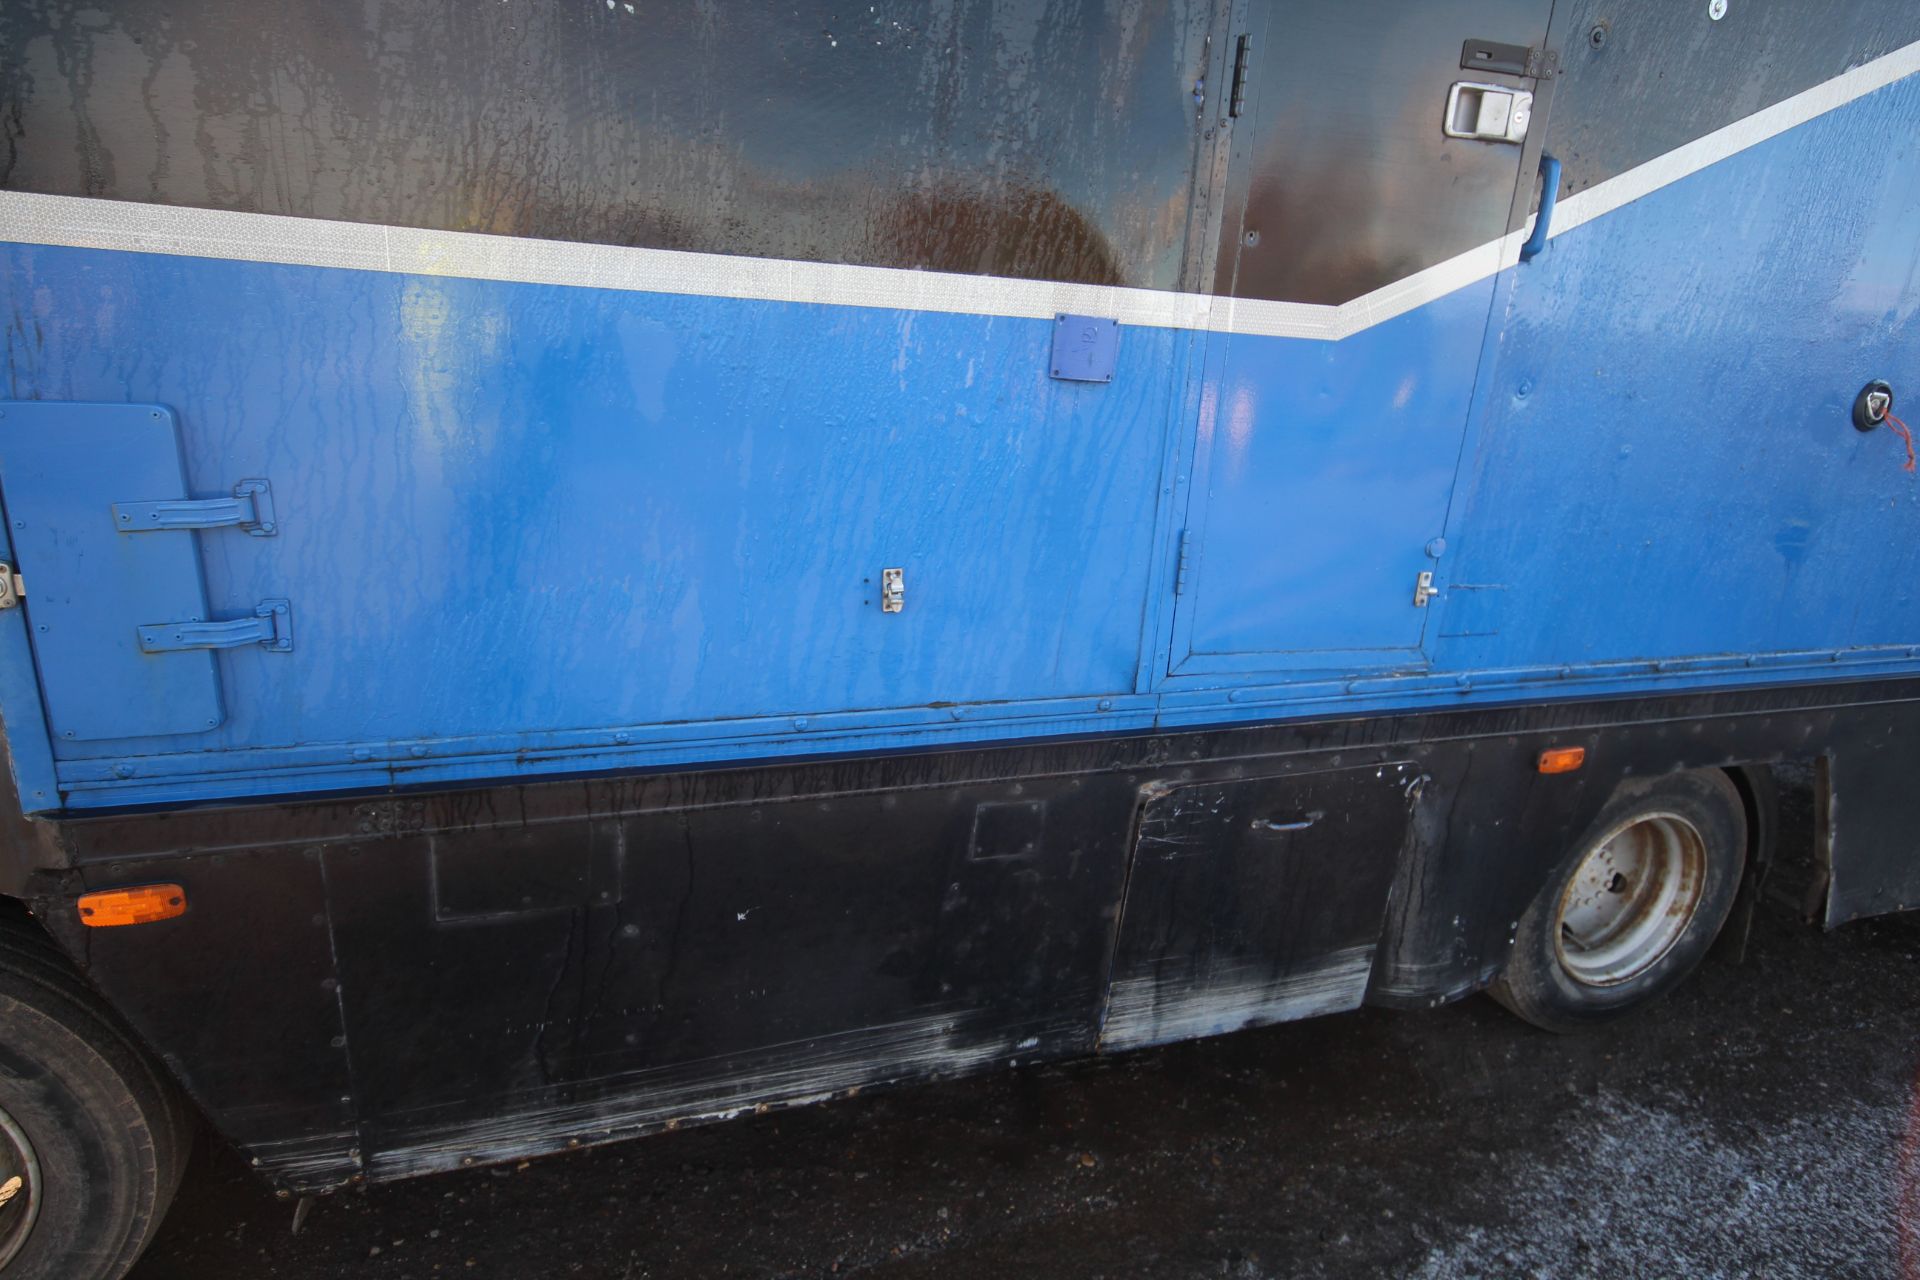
[
  {"x": 1626, "y": 915},
  {"x": 95, "y": 1134}
]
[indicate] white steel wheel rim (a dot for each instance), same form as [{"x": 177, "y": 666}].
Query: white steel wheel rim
[
  {"x": 20, "y": 1183},
  {"x": 1631, "y": 899}
]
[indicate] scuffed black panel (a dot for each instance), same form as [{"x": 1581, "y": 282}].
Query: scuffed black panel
[
  {"x": 1642, "y": 77},
  {"x": 718, "y": 955},
  {"x": 239, "y": 997},
  {"x": 384, "y": 986},
  {"x": 1044, "y": 139},
  {"x": 1255, "y": 900}
]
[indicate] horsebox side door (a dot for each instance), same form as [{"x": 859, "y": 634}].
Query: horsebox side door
[
  {"x": 1373, "y": 193},
  {"x": 1255, "y": 900}
]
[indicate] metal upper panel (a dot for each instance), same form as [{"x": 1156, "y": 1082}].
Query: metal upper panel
[
  {"x": 1645, "y": 77},
  {"x": 1035, "y": 140},
  {"x": 1344, "y": 181}
]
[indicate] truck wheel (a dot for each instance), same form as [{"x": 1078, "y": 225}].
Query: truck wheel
[
  {"x": 1629, "y": 913},
  {"x": 92, "y": 1137}
]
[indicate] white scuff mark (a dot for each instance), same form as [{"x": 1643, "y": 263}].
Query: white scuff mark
[
  {"x": 742, "y": 915},
  {"x": 1031, "y": 1042},
  {"x": 1175, "y": 1003},
  {"x": 775, "y": 1076}
]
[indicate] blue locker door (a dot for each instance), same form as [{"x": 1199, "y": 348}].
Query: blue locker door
[
  {"x": 74, "y": 478},
  {"x": 1329, "y": 433}
]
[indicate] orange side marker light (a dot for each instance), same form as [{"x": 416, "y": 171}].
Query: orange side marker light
[
  {"x": 1562, "y": 759},
  {"x": 142, "y": 904}
]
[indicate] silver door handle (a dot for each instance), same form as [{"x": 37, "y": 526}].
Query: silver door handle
[
  {"x": 1297, "y": 824},
  {"x": 1487, "y": 112}
]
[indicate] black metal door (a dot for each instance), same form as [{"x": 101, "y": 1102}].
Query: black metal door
[{"x": 1255, "y": 901}]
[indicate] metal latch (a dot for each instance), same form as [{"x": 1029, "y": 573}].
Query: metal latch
[
  {"x": 11, "y": 587},
  {"x": 893, "y": 590},
  {"x": 1487, "y": 112},
  {"x": 1242, "y": 57},
  {"x": 1873, "y": 406},
  {"x": 270, "y": 627},
  {"x": 1423, "y": 589},
  {"x": 250, "y": 508}
]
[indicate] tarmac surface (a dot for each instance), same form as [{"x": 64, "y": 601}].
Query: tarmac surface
[{"x": 1763, "y": 1120}]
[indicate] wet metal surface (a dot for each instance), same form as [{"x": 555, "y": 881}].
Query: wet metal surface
[
  {"x": 1035, "y": 140},
  {"x": 1758, "y": 1122}
]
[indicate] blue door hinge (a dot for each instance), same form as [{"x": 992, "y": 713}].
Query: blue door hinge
[
  {"x": 270, "y": 627},
  {"x": 249, "y": 508},
  {"x": 1182, "y": 565}
]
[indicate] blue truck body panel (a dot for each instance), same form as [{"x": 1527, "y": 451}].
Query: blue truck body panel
[
  {"x": 813, "y": 549},
  {"x": 1664, "y": 468},
  {"x": 532, "y": 527}
]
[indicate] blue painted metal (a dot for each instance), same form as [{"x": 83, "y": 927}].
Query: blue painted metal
[
  {"x": 554, "y": 529},
  {"x": 1667, "y": 466},
  {"x": 60, "y": 466},
  {"x": 1085, "y": 348},
  {"x": 1322, "y": 470},
  {"x": 270, "y": 627},
  {"x": 536, "y": 511},
  {"x": 1543, "y": 220},
  {"x": 249, "y": 507},
  {"x": 29, "y": 747}
]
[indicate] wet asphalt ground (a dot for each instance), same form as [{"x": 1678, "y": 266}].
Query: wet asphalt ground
[{"x": 1763, "y": 1121}]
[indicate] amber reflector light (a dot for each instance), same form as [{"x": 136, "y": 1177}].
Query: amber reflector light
[
  {"x": 142, "y": 904},
  {"x": 1562, "y": 759}
]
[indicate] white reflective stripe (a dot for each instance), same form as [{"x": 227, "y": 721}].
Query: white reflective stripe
[{"x": 85, "y": 223}]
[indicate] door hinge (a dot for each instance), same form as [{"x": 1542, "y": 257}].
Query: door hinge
[
  {"x": 250, "y": 508},
  {"x": 11, "y": 587},
  {"x": 1533, "y": 62},
  {"x": 1242, "y": 58},
  {"x": 1181, "y": 565},
  {"x": 270, "y": 626},
  {"x": 1423, "y": 589}
]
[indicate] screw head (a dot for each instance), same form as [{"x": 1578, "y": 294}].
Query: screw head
[{"x": 1716, "y": 9}]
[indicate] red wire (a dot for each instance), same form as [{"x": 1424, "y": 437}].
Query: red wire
[{"x": 1905, "y": 435}]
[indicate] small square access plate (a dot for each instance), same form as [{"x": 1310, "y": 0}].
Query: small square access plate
[{"x": 1085, "y": 348}]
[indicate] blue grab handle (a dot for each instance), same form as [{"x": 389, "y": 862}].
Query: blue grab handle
[{"x": 1549, "y": 196}]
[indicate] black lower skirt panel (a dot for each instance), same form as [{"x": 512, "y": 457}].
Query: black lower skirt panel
[{"x": 375, "y": 986}]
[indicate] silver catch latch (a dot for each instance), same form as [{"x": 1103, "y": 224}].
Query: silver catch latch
[
  {"x": 893, "y": 590},
  {"x": 11, "y": 587},
  {"x": 1487, "y": 112},
  {"x": 1423, "y": 590}
]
